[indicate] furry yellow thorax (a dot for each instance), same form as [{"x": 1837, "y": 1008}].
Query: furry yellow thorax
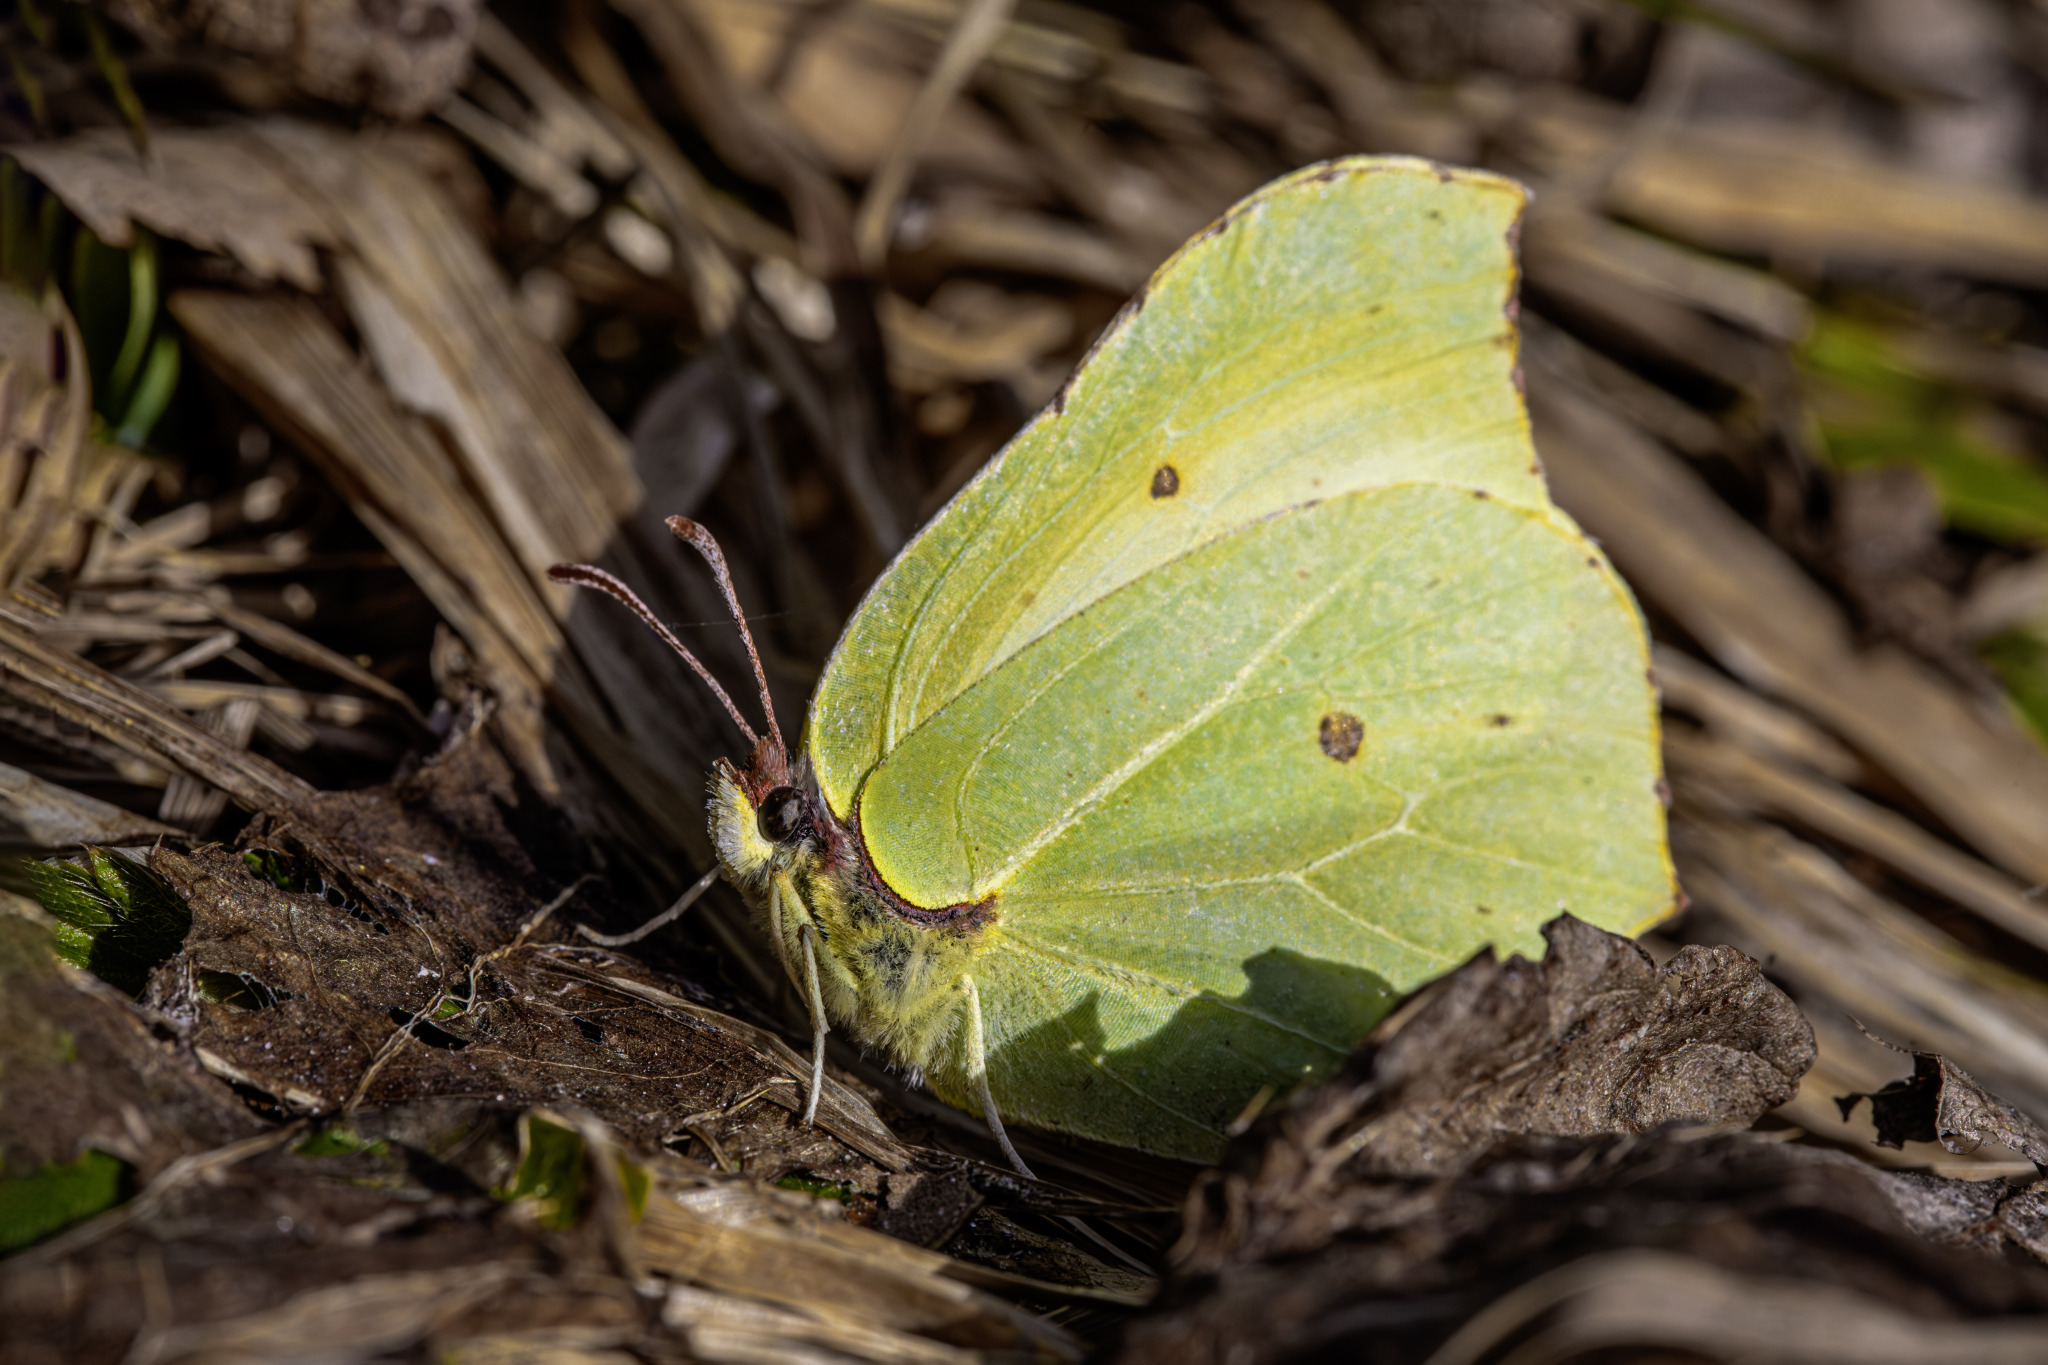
[{"x": 886, "y": 980}]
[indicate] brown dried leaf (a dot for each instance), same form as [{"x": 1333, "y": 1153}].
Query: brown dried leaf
[
  {"x": 213, "y": 188},
  {"x": 1595, "y": 1038},
  {"x": 1941, "y": 1102},
  {"x": 1768, "y": 623},
  {"x": 1422, "y": 1206},
  {"x": 65, "y": 686}
]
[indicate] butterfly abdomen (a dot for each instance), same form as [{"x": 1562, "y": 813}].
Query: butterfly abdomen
[{"x": 901, "y": 975}]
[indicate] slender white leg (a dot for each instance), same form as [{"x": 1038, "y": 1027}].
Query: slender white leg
[
  {"x": 818, "y": 1024},
  {"x": 977, "y": 1073},
  {"x": 977, "y": 1062}
]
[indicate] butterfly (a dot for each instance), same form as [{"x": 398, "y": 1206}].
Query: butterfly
[{"x": 1257, "y": 681}]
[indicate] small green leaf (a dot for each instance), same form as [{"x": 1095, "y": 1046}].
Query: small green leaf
[
  {"x": 69, "y": 892},
  {"x": 115, "y": 918},
  {"x": 141, "y": 314},
  {"x": 550, "y": 1172},
  {"x": 803, "y": 1182},
  {"x": 339, "y": 1141},
  {"x": 54, "y": 1196},
  {"x": 270, "y": 865},
  {"x": 73, "y": 944},
  {"x": 1873, "y": 408},
  {"x": 2020, "y": 659},
  {"x": 152, "y": 393}
]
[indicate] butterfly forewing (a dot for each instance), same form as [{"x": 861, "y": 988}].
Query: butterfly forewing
[{"x": 1347, "y": 327}]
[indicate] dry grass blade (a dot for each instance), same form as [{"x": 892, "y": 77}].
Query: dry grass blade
[
  {"x": 1379, "y": 113},
  {"x": 747, "y": 133},
  {"x": 878, "y": 1282},
  {"x": 119, "y": 711},
  {"x": 291, "y": 644},
  {"x": 375, "y": 1313},
  {"x": 43, "y": 428},
  {"x": 1838, "y": 814},
  {"x": 1682, "y": 547},
  {"x": 1755, "y": 192},
  {"x": 47, "y": 816},
  {"x": 974, "y": 33},
  {"x": 1733, "y": 713},
  {"x": 967, "y": 233},
  {"x": 441, "y": 326},
  {"x": 289, "y": 361},
  {"x": 565, "y": 124},
  {"x": 1639, "y": 1301}
]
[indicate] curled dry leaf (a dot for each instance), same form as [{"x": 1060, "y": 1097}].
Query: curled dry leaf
[
  {"x": 1513, "y": 1167},
  {"x": 1941, "y": 1102},
  {"x": 1595, "y": 1038},
  {"x": 1592, "y": 1039}
]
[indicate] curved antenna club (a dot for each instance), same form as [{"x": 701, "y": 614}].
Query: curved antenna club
[
  {"x": 701, "y": 540},
  {"x": 590, "y": 576}
]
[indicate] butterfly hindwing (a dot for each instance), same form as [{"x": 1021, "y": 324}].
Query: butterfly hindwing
[{"x": 1241, "y": 803}]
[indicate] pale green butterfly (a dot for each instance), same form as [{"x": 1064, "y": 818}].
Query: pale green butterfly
[{"x": 1255, "y": 683}]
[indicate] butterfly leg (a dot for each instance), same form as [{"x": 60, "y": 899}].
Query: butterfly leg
[
  {"x": 977, "y": 1062},
  {"x": 814, "y": 998},
  {"x": 807, "y": 934}
]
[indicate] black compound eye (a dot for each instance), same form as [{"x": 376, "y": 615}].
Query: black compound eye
[{"x": 782, "y": 814}]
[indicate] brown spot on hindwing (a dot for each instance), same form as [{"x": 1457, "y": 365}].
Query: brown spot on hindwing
[
  {"x": 1340, "y": 734},
  {"x": 1165, "y": 481}
]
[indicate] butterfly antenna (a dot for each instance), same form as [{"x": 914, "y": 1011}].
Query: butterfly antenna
[
  {"x": 698, "y": 537},
  {"x": 590, "y": 576}
]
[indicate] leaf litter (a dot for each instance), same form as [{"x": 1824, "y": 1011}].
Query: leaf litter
[{"x": 281, "y": 450}]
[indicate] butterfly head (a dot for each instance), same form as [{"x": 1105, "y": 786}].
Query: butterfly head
[
  {"x": 766, "y": 817},
  {"x": 886, "y": 975}
]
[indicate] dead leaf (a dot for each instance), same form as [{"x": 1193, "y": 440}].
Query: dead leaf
[
  {"x": 212, "y": 188},
  {"x": 1427, "y": 1205},
  {"x": 1940, "y": 1102}
]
